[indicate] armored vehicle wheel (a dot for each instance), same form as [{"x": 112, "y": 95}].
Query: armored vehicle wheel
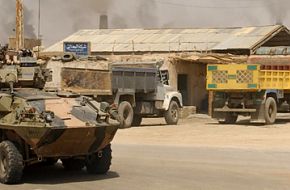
[
  {"x": 137, "y": 120},
  {"x": 11, "y": 163},
  {"x": 73, "y": 164},
  {"x": 230, "y": 118},
  {"x": 126, "y": 113},
  {"x": 172, "y": 114},
  {"x": 270, "y": 110},
  {"x": 100, "y": 163}
]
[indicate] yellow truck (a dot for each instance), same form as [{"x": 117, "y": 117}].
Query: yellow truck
[{"x": 259, "y": 91}]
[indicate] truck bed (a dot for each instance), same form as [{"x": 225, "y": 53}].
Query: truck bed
[
  {"x": 105, "y": 81},
  {"x": 248, "y": 77}
]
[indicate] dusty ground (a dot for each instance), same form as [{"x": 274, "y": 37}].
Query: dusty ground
[
  {"x": 202, "y": 131},
  {"x": 197, "y": 154}
]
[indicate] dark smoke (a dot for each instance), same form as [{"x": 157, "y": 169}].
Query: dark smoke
[
  {"x": 148, "y": 14},
  {"x": 7, "y": 21},
  {"x": 29, "y": 30},
  {"x": 86, "y": 12},
  {"x": 278, "y": 10},
  {"x": 60, "y": 18}
]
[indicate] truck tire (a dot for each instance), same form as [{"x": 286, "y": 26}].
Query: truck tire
[
  {"x": 99, "y": 163},
  {"x": 11, "y": 163},
  {"x": 126, "y": 114},
  {"x": 137, "y": 120},
  {"x": 172, "y": 114},
  {"x": 230, "y": 118},
  {"x": 270, "y": 110},
  {"x": 72, "y": 164}
]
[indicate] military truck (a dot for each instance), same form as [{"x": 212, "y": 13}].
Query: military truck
[
  {"x": 255, "y": 90},
  {"x": 138, "y": 89},
  {"x": 44, "y": 127}
]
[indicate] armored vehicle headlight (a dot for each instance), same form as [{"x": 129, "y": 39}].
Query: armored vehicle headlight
[{"x": 48, "y": 116}]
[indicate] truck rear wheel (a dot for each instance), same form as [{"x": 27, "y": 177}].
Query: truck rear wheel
[
  {"x": 270, "y": 110},
  {"x": 11, "y": 163},
  {"x": 126, "y": 114},
  {"x": 172, "y": 114},
  {"x": 137, "y": 120},
  {"x": 72, "y": 164},
  {"x": 99, "y": 163}
]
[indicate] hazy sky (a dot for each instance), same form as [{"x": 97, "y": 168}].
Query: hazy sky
[{"x": 59, "y": 18}]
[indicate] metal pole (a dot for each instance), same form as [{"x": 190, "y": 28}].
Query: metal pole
[
  {"x": 39, "y": 18},
  {"x": 38, "y": 32}
]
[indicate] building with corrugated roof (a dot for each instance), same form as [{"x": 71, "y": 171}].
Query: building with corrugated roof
[
  {"x": 186, "y": 73},
  {"x": 242, "y": 40}
]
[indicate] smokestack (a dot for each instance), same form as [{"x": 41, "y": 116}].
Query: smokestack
[
  {"x": 104, "y": 22},
  {"x": 19, "y": 25}
]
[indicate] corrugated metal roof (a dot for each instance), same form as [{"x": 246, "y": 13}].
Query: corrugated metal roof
[{"x": 164, "y": 40}]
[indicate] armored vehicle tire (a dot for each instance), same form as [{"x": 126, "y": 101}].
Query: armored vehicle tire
[
  {"x": 230, "y": 118},
  {"x": 11, "y": 163},
  {"x": 172, "y": 114},
  {"x": 72, "y": 164},
  {"x": 270, "y": 110},
  {"x": 126, "y": 114},
  {"x": 99, "y": 163},
  {"x": 137, "y": 120}
]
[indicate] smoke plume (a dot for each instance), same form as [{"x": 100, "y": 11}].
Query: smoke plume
[
  {"x": 60, "y": 18},
  {"x": 278, "y": 10},
  {"x": 8, "y": 20}
]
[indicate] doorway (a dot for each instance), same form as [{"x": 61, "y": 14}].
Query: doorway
[{"x": 183, "y": 88}]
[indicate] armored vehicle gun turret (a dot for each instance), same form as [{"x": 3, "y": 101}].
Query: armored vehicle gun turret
[{"x": 38, "y": 126}]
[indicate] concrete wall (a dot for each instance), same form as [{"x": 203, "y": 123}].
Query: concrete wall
[{"x": 196, "y": 73}]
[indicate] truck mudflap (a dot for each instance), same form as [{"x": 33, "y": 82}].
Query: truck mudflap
[{"x": 68, "y": 142}]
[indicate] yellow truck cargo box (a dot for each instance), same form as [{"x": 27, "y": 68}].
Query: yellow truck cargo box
[{"x": 246, "y": 77}]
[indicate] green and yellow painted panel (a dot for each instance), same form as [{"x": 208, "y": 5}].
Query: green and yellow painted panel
[{"x": 233, "y": 77}]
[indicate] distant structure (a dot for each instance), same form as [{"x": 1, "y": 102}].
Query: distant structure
[
  {"x": 186, "y": 52},
  {"x": 104, "y": 24},
  {"x": 19, "y": 41},
  {"x": 19, "y": 25}
]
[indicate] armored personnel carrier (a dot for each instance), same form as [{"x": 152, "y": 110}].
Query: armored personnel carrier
[{"x": 38, "y": 126}]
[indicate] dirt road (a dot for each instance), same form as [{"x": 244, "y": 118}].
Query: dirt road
[
  {"x": 197, "y": 154},
  {"x": 202, "y": 131}
]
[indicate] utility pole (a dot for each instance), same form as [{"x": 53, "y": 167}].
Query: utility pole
[
  {"x": 19, "y": 25},
  {"x": 39, "y": 18}
]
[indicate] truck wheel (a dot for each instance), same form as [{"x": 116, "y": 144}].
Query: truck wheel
[
  {"x": 270, "y": 110},
  {"x": 99, "y": 163},
  {"x": 72, "y": 164},
  {"x": 126, "y": 114},
  {"x": 172, "y": 114},
  {"x": 11, "y": 163},
  {"x": 230, "y": 118},
  {"x": 137, "y": 120}
]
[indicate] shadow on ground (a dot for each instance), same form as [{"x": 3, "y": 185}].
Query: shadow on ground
[
  {"x": 57, "y": 175},
  {"x": 247, "y": 123}
]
